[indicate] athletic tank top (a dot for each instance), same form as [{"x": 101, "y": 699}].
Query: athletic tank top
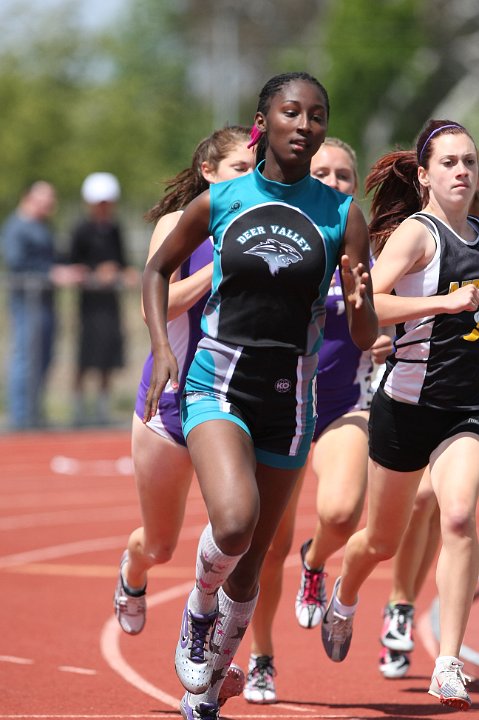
[
  {"x": 341, "y": 363},
  {"x": 275, "y": 249},
  {"x": 436, "y": 359}
]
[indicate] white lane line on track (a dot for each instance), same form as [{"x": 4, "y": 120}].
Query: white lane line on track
[
  {"x": 82, "y": 546},
  {"x": 16, "y": 660},
  {"x": 56, "y": 569},
  {"x": 57, "y": 551},
  {"x": 110, "y": 648},
  {"x": 288, "y": 707},
  {"x": 68, "y": 517},
  {"x": 77, "y": 670},
  {"x": 64, "y": 465}
]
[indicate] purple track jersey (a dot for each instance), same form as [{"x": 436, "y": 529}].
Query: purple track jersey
[
  {"x": 343, "y": 382},
  {"x": 184, "y": 334}
]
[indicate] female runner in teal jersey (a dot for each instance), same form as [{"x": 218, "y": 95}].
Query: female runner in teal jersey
[
  {"x": 344, "y": 392},
  {"x": 248, "y": 411}
]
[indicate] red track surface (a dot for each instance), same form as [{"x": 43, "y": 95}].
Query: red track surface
[{"x": 68, "y": 502}]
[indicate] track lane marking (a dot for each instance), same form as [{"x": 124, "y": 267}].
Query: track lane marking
[
  {"x": 77, "y": 670},
  {"x": 164, "y": 714},
  {"x": 97, "y": 571},
  {"x": 58, "y": 551},
  {"x": 110, "y": 648},
  {"x": 16, "y": 660}
]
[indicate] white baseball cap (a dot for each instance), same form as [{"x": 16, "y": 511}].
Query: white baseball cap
[{"x": 100, "y": 187}]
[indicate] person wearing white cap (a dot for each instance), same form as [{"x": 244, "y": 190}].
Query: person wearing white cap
[
  {"x": 101, "y": 187},
  {"x": 97, "y": 244}
]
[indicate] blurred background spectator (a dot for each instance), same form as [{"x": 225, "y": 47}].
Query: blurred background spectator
[
  {"x": 30, "y": 260},
  {"x": 98, "y": 247}
]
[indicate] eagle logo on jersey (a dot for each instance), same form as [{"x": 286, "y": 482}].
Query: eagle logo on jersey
[{"x": 276, "y": 254}]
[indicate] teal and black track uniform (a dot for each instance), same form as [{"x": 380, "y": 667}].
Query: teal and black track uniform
[{"x": 275, "y": 250}]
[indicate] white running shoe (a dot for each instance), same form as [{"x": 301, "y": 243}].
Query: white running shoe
[
  {"x": 397, "y": 630},
  {"x": 336, "y": 630},
  {"x": 193, "y": 653},
  {"x": 392, "y": 664},
  {"x": 449, "y": 685},
  {"x": 311, "y": 600},
  {"x": 233, "y": 684},
  {"x": 201, "y": 711},
  {"x": 260, "y": 686},
  {"x": 129, "y": 605}
]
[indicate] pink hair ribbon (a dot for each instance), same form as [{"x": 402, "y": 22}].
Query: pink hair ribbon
[{"x": 255, "y": 135}]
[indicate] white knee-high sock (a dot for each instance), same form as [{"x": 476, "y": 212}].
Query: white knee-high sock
[
  {"x": 213, "y": 567},
  {"x": 233, "y": 620}
]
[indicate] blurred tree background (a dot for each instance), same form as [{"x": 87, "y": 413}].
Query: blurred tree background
[{"x": 134, "y": 95}]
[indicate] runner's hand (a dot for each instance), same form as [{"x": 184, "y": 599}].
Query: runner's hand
[
  {"x": 464, "y": 298},
  {"x": 381, "y": 349},
  {"x": 165, "y": 368},
  {"x": 354, "y": 282}
]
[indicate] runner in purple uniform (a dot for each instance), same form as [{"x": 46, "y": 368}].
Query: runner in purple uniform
[
  {"x": 163, "y": 468},
  {"x": 184, "y": 333},
  {"x": 343, "y": 397}
]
